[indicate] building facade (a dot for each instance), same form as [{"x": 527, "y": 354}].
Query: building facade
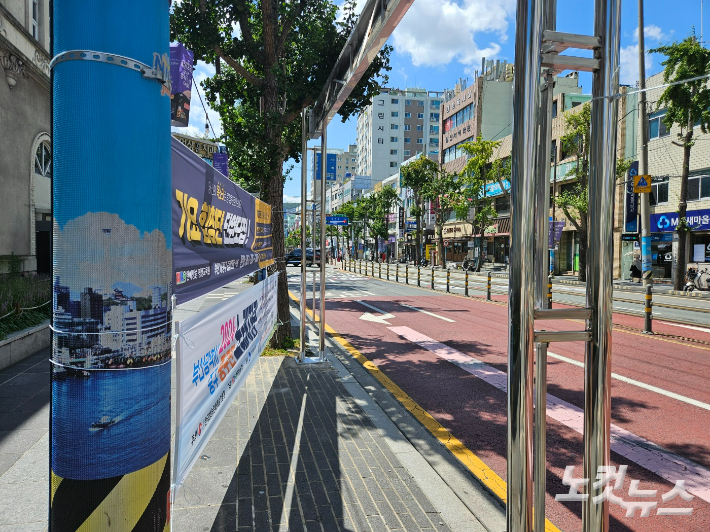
[
  {"x": 26, "y": 153},
  {"x": 397, "y": 125}
]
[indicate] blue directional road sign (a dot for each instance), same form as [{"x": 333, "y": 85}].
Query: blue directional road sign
[{"x": 336, "y": 220}]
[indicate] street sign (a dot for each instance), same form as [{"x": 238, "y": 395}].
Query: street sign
[
  {"x": 642, "y": 184},
  {"x": 336, "y": 220},
  {"x": 446, "y": 243}
]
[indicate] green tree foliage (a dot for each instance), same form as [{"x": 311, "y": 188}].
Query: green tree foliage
[
  {"x": 687, "y": 105},
  {"x": 272, "y": 61},
  {"x": 471, "y": 202},
  {"x": 441, "y": 192},
  {"x": 416, "y": 175},
  {"x": 575, "y": 201}
]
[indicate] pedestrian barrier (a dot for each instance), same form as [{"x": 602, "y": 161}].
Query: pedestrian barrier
[
  {"x": 488, "y": 287},
  {"x": 549, "y": 291},
  {"x": 648, "y": 307},
  {"x": 388, "y": 271},
  {"x": 406, "y": 274},
  {"x": 419, "y": 276},
  {"x": 379, "y": 270},
  {"x": 448, "y": 280},
  {"x": 465, "y": 290},
  {"x": 396, "y": 273}
]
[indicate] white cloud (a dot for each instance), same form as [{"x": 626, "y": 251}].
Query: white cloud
[
  {"x": 196, "y": 127},
  {"x": 435, "y": 32},
  {"x": 629, "y": 58},
  {"x": 292, "y": 199}
]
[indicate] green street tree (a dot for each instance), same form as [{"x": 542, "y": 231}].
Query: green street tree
[
  {"x": 384, "y": 200},
  {"x": 471, "y": 203},
  {"x": 416, "y": 175},
  {"x": 575, "y": 202},
  {"x": 355, "y": 228},
  {"x": 272, "y": 60},
  {"x": 687, "y": 106},
  {"x": 441, "y": 193},
  {"x": 365, "y": 212}
]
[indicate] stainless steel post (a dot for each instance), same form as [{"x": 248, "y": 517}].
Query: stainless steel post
[
  {"x": 314, "y": 296},
  {"x": 526, "y": 85},
  {"x": 600, "y": 261},
  {"x": 542, "y": 259},
  {"x": 304, "y": 206},
  {"x": 323, "y": 177}
]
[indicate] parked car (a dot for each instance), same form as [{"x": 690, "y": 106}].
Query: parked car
[{"x": 294, "y": 257}]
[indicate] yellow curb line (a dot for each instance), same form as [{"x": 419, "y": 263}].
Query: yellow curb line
[{"x": 475, "y": 465}]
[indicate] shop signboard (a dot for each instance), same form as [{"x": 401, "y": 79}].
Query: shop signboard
[
  {"x": 632, "y": 200},
  {"x": 667, "y": 222},
  {"x": 555, "y": 233},
  {"x": 494, "y": 189}
]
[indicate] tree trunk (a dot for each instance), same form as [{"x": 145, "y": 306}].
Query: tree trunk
[
  {"x": 582, "y": 274},
  {"x": 440, "y": 239},
  {"x": 418, "y": 233},
  {"x": 679, "y": 281}
]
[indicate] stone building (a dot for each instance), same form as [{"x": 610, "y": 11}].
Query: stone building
[{"x": 25, "y": 128}]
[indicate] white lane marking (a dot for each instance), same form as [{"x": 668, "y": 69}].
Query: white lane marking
[
  {"x": 374, "y": 308},
  {"x": 367, "y": 316},
  {"x": 640, "y": 384},
  {"x": 643, "y": 452},
  {"x": 429, "y": 313},
  {"x": 701, "y": 329}
]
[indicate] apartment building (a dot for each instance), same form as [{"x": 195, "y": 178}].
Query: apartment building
[
  {"x": 396, "y": 126},
  {"x": 340, "y": 166}
]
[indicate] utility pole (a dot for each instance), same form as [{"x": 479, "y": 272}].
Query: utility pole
[{"x": 646, "y": 260}]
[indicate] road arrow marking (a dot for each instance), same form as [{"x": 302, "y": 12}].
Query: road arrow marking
[{"x": 367, "y": 316}]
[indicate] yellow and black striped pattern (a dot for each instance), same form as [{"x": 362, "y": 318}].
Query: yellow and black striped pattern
[{"x": 134, "y": 502}]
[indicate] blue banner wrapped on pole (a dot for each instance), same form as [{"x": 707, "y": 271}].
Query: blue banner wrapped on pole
[{"x": 110, "y": 411}]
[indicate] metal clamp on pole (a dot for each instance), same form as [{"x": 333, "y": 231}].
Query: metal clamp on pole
[
  {"x": 549, "y": 291},
  {"x": 465, "y": 285},
  {"x": 488, "y": 287},
  {"x": 448, "y": 280},
  {"x": 648, "y": 316}
]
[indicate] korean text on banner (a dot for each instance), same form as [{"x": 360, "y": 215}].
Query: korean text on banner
[
  {"x": 217, "y": 348},
  {"x": 220, "y": 231},
  {"x": 181, "y": 61}
]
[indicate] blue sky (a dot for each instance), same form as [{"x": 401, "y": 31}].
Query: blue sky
[{"x": 439, "y": 41}]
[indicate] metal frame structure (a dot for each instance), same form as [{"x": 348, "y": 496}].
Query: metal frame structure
[{"x": 537, "y": 47}]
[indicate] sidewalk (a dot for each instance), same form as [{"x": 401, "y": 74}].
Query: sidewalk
[{"x": 313, "y": 447}]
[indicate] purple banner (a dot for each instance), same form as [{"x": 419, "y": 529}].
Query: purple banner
[
  {"x": 555, "y": 233},
  {"x": 220, "y": 232},
  {"x": 632, "y": 200},
  {"x": 181, "y": 61},
  {"x": 220, "y": 161}
]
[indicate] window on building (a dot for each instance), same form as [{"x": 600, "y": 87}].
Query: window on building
[
  {"x": 433, "y": 130},
  {"x": 418, "y": 152},
  {"x": 394, "y": 126},
  {"x": 433, "y": 152},
  {"x": 420, "y": 127},
  {"x": 659, "y": 190},
  {"x": 435, "y": 104},
  {"x": 407, "y": 127},
  {"x": 393, "y": 139},
  {"x": 553, "y": 150},
  {"x": 656, "y": 127},
  {"x": 395, "y": 100},
  {"x": 407, "y": 140},
  {"x": 502, "y": 205},
  {"x": 420, "y": 115},
  {"x": 393, "y": 152},
  {"x": 420, "y": 140},
  {"x": 407, "y": 115},
  {"x": 433, "y": 117},
  {"x": 698, "y": 188},
  {"x": 554, "y": 109},
  {"x": 420, "y": 103},
  {"x": 43, "y": 160},
  {"x": 407, "y": 102},
  {"x": 393, "y": 164},
  {"x": 395, "y": 113},
  {"x": 406, "y": 152},
  {"x": 35, "y": 19},
  {"x": 433, "y": 141}
]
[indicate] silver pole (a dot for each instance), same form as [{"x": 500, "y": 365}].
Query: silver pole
[
  {"x": 323, "y": 176},
  {"x": 526, "y": 87},
  {"x": 304, "y": 224},
  {"x": 542, "y": 259},
  {"x": 602, "y": 175}
]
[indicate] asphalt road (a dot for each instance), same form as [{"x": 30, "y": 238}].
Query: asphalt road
[{"x": 449, "y": 353}]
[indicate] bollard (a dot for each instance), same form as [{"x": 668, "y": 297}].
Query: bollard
[
  {"x": 379, "y": 270},
  {"x": 448, "y": 280},
  {"x": 465, "y": 285},
  {"x": 388, "y": 271},
  {"x": 359, "y": 265},
  {"x": 648, "y": 318},
  {"x": 406, "y": 273},
  {"x": 396, "y": 273},
  {"x": 488, "y": 287},
  {"x": 419, "y": 276},
  {"x": 432, "y": 278},
  {"x": 549, "y": 291}
]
